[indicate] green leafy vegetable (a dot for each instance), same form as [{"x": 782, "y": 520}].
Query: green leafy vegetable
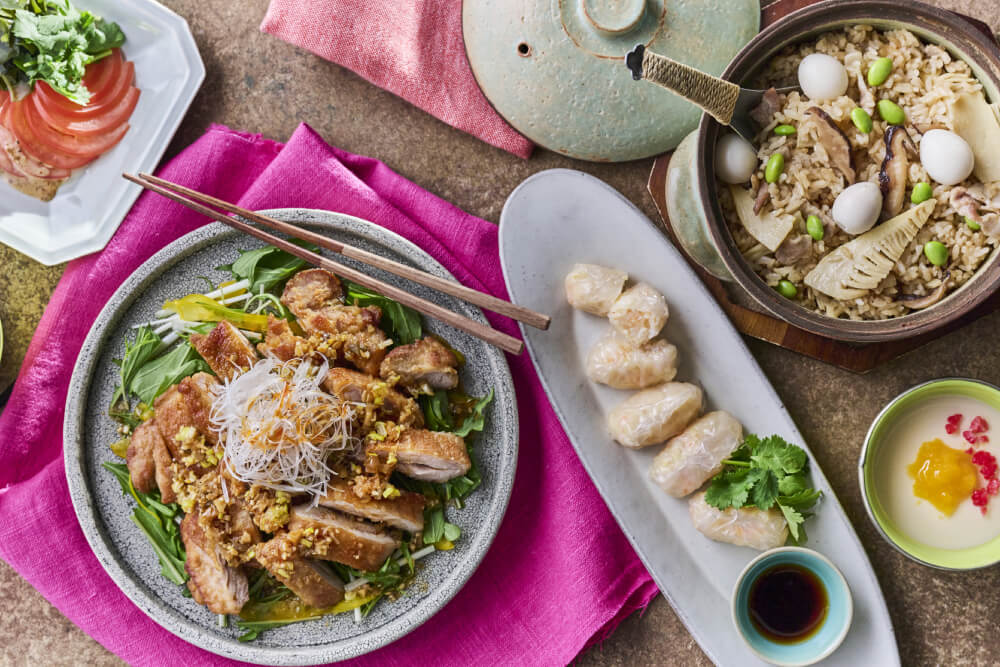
[
  {"x": 433, "y": 524},
  {"x": 157, "y": 375},
  {"x": 137, "y": 352},
  {"x": 475, "y": 419},
  {"x": 158, "y": 522},
  {"x": 763, "y": 473},
  {"x": 443, "y": 407},
  {"x": 52, "y": 41},
  {"x": 401, "y": 323},
  {"x": 254, "y": 628},
  {"x": 268, "y": 267}
]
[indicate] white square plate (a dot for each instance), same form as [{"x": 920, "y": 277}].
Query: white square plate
[{"x": 92, "y": 203}]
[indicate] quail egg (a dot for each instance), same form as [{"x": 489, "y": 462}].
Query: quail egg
[
  {"x": 946, "y": 156},
  {"x": 735, "y": 159},
  {"x": 856, "y": 209},
  {"x": 822, "y": 77}
]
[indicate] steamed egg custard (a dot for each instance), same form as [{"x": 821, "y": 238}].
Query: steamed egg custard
[{"x": 930, "y": 485}]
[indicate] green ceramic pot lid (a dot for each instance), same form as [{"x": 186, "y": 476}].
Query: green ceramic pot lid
[{"x": 554, "y": 68}]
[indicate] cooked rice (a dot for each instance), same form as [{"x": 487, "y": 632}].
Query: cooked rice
[{"x": 925, "y": 81}]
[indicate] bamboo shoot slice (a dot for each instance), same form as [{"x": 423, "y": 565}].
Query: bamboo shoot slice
[
  {"x": 975, "y": 120},
  {"x": 858, "y": 266},
  {"x": 768, "y": 228}
]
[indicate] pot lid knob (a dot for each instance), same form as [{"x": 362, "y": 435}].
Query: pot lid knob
[{"x": 614, "y": 17}]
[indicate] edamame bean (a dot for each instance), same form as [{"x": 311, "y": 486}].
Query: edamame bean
[
  {"x": 891, "y": 113},
  {"x": 788, "y": 289},
  {"x": 921, "y": 192},
  {"x": 936, "y": 252},
  {"x": 972, "y": 224},
  {"x": 879, "y": 71},
  {"x": 775, "y": 165},
  {"x": 861, "y": 120},
  {"x": 784, "y": 130},
  {"x": 815, "y": 227}
]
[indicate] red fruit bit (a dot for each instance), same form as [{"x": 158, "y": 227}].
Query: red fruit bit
[
  {"x": 993, "y": 487},
  {"x": 987, "y": 463},
  {"x": 979, "y": 498},
  {"x": 952, "y": 423},
  {"x": 955, "y": 418},
  {"x": 970, "y": 437},
  {"x": 951, "y": 429},
  {"x": 978, "y": 425}
]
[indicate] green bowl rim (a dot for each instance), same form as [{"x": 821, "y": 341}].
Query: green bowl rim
[{"x": 863, "y": 461}]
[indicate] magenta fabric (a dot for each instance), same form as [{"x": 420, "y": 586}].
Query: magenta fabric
[
  {"x": 560, "y": 573},
  {"x": 412, "y": 48}
]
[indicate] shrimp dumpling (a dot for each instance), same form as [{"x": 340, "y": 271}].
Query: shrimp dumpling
[
  {"x": 744, "y": 527},
  {"x": 696, "y": 455},
  {"x": 655, "y": 414},
  {"x": 594, "y": 288},
  {"x": 639, "y": 313},
  {"x": 617, "y": 363}
]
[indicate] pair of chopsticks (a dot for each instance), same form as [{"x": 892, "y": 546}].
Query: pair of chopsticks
[{"x": 200, "y": 202}]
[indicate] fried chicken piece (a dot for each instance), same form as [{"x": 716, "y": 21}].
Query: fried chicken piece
[
  {"x": 281, "y": 343},
  {"x": 310, "y": 291},
  {"x": 422, "y": 366},
  {"x": 318, "y": 532},
  {"x": 431, "y": 456},
  {"x": 405, "y": 511},
  {"x": 197, "y": 391},
  {"x": 213, "y": 583},
  {"x": 140, "y": 456},
  {"x": 356, "y": 387},
  {"x": 172, "y": 415},
  {"x": 313, "y": 581},
  {"x": 164, "y": 470},
  {"x": 226, "y": 350}
]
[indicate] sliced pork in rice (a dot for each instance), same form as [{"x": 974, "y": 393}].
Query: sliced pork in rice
[
  {"x": 213, "y": 583},
  {"x": 318, "y": 532},
  {"x": 226, "y": 350},
  {"x": 422, "y": 367},
  {"x": 405, "y": 511}
]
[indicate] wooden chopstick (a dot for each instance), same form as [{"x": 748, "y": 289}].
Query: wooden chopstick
[
  {"x": 460, "y": 322},
  {"x": 455, "y": 289}
]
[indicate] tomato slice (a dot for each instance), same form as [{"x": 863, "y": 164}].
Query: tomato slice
[
  {"x": 110, "y": 118},
  {"x": 103, "y": 79},
  {"x": 66, "y": 144},
  {"x": 26, "y": 165},
  {"x": 14, "y": 118}
]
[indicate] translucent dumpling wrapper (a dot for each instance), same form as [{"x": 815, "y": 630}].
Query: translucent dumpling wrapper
[
  {"x": 655, "y": 414},
  {"x": 744, "y": 527},
  {"x": 639, "y": 314},
  {"x": 858, "y": 266},
  {"x": 593, "y": 289},
  {"x": 696, "y": 455},
  {"x": 614, "y": 361}
]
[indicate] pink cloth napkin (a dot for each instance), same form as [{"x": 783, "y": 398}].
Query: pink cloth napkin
[
  {"x": 560, "y": 573},
  {"x": 413, "y": 49}
]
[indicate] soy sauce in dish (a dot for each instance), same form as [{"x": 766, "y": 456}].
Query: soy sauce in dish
[{"x": 788, "y": 603}]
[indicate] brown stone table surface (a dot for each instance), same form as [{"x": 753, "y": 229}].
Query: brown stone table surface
[{"x": 260, "y": 84}]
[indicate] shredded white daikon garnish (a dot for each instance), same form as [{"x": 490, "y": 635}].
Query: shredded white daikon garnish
[{"x": 280, "y": 428}]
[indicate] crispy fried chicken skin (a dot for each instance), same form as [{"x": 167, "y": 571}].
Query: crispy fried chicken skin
[
  {"x": 357, "y": 387},
  {"x": 318, "y": 532},
  {"x": 213, "y": 583},
  {"x": 141, "y": 457},
  {"x": 311, "y": 580},
  {"x": 422, "y": 367},
  {"x": 431, "y": 456},
  {"x": 349, "y": 332},
  {"x": 226, "y": 350},
  {"x": 405, "y": 511},
  {"x": 197, "y": 393},
  {"x": 281, "y": 343}
]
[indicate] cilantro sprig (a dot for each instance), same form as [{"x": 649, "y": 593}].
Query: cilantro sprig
[{"x": 763, "y": 473}]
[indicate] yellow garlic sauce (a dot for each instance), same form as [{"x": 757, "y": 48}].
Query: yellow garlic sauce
[
  {"x": 916, "y": 516},
  {"x": 293, "y": 610}
]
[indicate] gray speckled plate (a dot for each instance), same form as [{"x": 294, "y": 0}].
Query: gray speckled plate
[{"x": 124, "y": 552}]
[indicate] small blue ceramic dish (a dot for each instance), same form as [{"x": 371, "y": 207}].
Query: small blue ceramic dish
[{"x": 825, "y": 639}]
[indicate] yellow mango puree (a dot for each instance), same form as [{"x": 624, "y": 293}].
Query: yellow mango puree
[{"x": 943, "y": 476}]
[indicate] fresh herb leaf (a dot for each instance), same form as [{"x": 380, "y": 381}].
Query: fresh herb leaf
[
  {"x": 401, "y": 323},
  {"x": 268, "y": 267},
  {"x": 475, "y": 419},
  {"x": 254, "y": 628},
  {"x": 442, "y": 407},
  {"x": 157, "y": 521},
  {"x": 433, "y": 524},
  {"x": 137, "y": 352},
  {"x": 762, "y": 473},
  {"x": 155, "y": 376},
  {"x": 437, "y": 411},
  {"x": 451, "y": 532}
]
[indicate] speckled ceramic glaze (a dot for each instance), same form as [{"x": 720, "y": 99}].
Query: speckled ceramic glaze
[
  {"x": 127, "y": 556},
  {"x": 555, "y": 70}
]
